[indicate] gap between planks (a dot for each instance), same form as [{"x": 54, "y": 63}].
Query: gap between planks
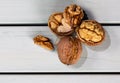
[{"x": 45, "y": 24}]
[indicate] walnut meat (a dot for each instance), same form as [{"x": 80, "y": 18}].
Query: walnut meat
[
  {"x": 90, "y": 32},
  {"x": 43, "y": 42},
  {"x": 58, "y": 25},
  {"x": 69, "y": 50},
  {"x": 73, "y": 15}
]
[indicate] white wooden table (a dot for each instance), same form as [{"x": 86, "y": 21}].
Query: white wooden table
[
  {"x": 59, "y": 78},
  {"x": 18, "y": 53}
]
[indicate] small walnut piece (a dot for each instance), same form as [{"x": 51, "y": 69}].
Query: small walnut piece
[
  {"x": 58, "y": 25},
  {"x": 43, "y": 42},
  {"x": 90, "y": 32},
  {"x": 73, "y": 15},
  {"x": 69, "y": 50}
]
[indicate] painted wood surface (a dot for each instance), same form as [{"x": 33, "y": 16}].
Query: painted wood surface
[
  {"x": 37, "y": 11},
  {"x": 59, "y": 78},
  {"x": 19, "y": 53}
]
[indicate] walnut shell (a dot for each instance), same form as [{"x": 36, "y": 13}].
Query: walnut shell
[
  {"x": 43, "y": 42},
  {"x": 69, "y": 50},
  {"x": 73, "y": 15},
  {"x": 58, "y": 25},
  {"x": 90, "y": 32}
]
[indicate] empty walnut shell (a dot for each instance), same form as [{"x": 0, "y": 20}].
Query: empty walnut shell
[
  {"x": 58, "y": 25},
  {"x": 73, "y": 15},
  {"x": 69, "y": 50},
  {"x": 91, "y": 32}
]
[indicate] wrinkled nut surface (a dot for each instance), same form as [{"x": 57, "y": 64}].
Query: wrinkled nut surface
[
  {"x": 58, "y": 25},
  {"x": 69, "y": 50},
  {"x": 73, "y": 15},
  {"x": 43, "y": 42},
  {"x": 91, "y": 32}
]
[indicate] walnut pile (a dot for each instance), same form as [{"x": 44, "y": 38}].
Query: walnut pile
[{"x": 71, "y": 28}]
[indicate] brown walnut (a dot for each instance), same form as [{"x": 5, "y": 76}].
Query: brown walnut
[
  {"x": 69, "y": 50},
  {"x": 43, "y": 42},
  {"x": 58, "y": 25},
  {"x": 91, "y": 32},
  {"x": 73, "y": 15}
]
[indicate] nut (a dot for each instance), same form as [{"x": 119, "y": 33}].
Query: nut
[
  {"x": 73, "y": 15},
  {"x": 69, "y": 50},
  {"x": 58, "y": 25},
  {"x": 90, "y": 32},
  {"x": 43, "y": 42}
]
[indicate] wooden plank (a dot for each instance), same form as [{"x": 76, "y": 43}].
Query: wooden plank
[
  {"x": 59, "y": 78},
  {"x": 18, "y": 53},
  {"x": 37, "y": 11}
]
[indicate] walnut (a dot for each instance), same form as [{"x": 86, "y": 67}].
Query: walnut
[
  {"x": 43, "y": 42},
  {"x": 91, "y": 32},
  {"x": 58, "y": 25},
  {"x": 73, "y": 15},
  {"x": 69, "y": 50}
]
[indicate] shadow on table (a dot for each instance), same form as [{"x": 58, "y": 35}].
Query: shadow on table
[
  {"x": 82, "y": 59},
  {"x": 88, "y": 14}
]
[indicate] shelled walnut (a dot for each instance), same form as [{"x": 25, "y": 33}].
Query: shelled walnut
[
  {"x": 69, "y": 50},
  {"x": 58, "y": 25},
  {"x": 73, "y": 14},
  {"x": 91, "y": 32},
  {"x": 43, "y": 42}
]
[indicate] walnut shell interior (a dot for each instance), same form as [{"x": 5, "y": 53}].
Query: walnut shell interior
[{"x": 90, "y": 32}]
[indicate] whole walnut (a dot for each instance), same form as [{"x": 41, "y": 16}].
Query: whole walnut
[
  {"x": 58, "y": 25},
  {"x": 73, "y": 15},
  {"x": 69, "y": 50},
  {"x": 90, "y": 32}
]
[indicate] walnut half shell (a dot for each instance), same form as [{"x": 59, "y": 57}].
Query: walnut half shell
[
  {"x": 58, "y": 25},
  {"x": 90, "y": 32},
  {"x": 69, "y": 50}
]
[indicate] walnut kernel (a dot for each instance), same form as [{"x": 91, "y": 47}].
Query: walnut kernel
[
  {"x": 90, "y": 32},
  {"x": 73, "y": 15},
  {"x": 43, "y": 42}
]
